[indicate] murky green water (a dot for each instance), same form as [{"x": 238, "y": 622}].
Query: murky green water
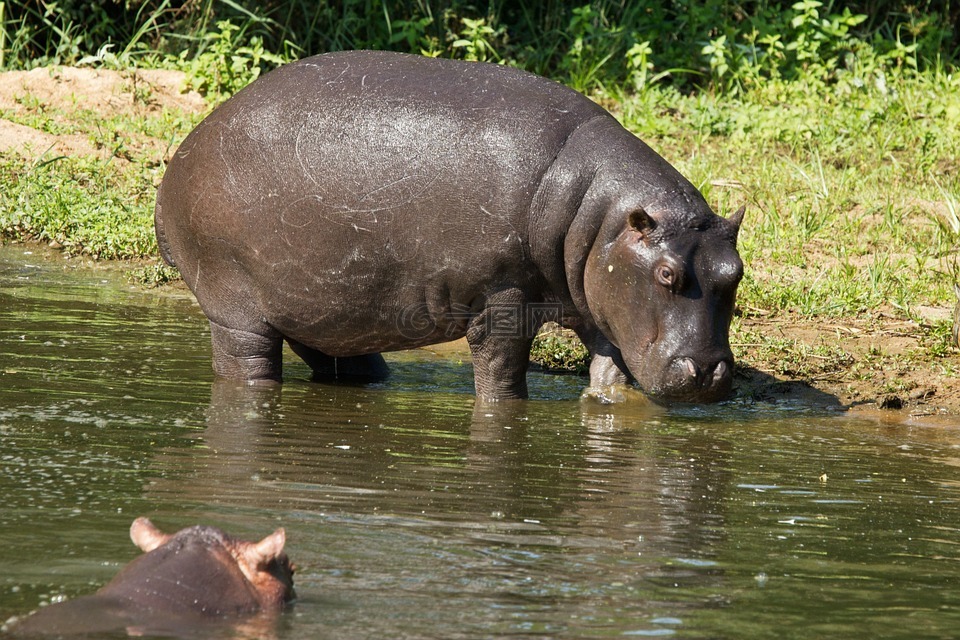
[{"x": 412, "y": 515}]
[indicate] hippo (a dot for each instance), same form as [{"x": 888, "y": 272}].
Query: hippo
[
  {"x": 195, "y": 576},
  {"x": 359, "y": 202}
]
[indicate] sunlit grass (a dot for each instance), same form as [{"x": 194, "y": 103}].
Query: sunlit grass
[{"x": 851, "y": 198}]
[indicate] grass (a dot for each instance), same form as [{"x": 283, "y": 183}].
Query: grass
[
  {"x": 100, "y": 203},
  {"x": 845, "y": 219},
  {"x": 78, "y": 204}
]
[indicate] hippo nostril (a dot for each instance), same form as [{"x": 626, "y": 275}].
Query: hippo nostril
[
  {"x": 689, "y": 368},
  {"x": 722, "y": 378},
  {"x": 721, "y": 372}
]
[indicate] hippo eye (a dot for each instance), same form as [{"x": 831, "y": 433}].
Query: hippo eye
[{"x": 666, "y": 276}]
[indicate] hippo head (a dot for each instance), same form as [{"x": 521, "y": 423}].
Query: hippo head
[
  {"x": 265, "y": 576},
  {"x": 663, "y": 293}
]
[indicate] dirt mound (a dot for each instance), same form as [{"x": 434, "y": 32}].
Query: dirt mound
[
  {"x": 100, "y": 89},
  {"x": 877, "y": 365},
  {"x": 59, "y": 93}
]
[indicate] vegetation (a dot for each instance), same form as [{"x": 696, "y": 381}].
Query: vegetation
[
  {"x": 729, "y": 47},
  {"x": 838, "y": 124},
  {"x": 557, "y": 349}
]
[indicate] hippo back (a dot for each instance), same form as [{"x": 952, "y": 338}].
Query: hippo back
[{"x": 393, "y": 181}]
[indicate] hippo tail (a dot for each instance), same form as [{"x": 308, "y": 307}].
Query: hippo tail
[{"x": 162, "y": 242}]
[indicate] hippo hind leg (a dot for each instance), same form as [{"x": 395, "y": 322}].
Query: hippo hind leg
[
  {"x": 243, "y": 355},
  {"x": 366, "y": 368}
]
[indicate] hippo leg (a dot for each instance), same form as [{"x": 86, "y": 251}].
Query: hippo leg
[
  {"x": 500, "y": 367},
  {"x": 242, "y": 355},
  {"x": 366, "y": 368},
  {"x": 604, "y": 371},
  {"x": 607, "y": 368},
  {"x": 500, "y": 347}
]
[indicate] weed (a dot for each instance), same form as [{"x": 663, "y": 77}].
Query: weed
[
  {"x": 154, "y": 275},
  {"x": 558, "y": 349},
  {"x": 639, "y": 61},
  {"x": 476, "y": 39},
  {"x": 225, "y": 65},
  {"x": 414, "y": 34}
]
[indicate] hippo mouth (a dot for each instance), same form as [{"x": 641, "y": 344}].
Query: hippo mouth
[{"x": 686, "y": 381}]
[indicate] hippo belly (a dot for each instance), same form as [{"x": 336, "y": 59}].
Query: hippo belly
[{"x": 381, "y": 297}]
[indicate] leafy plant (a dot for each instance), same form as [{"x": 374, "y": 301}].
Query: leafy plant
[
  {"x": 592, "y": 44},
  {"x": 415, "y": 35},
  {"x": 559, "y": 350},
  {"x": 476, "y": 40},
  {"x": 226, "y": 64}
]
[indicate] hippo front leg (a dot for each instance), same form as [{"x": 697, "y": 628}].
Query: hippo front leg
[
  {"x": 500, "y": 346},
  {"x": 608, "y": 372}
]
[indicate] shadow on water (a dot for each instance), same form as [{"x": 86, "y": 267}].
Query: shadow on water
[{"x": 411, "y": 511}]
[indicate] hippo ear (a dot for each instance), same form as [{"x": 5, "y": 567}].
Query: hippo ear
[
  {"x": 268, "y": 549},
  {"x": 640, "y": 221},
  {"x": 736, "y": 218},
  {"x": 146, "y": 536}
]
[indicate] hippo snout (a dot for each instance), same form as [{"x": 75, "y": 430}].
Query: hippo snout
[{"x": 685, "y": 380}]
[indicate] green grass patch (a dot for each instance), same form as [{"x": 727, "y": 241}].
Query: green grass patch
[
  {"x": 851, "y": 189},
  {"x": 84, "y": 205},
  {"x": 96, "y": 201},
  {"x": 556, "y": 349}
]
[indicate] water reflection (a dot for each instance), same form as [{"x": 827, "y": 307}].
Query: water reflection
[
  {"x": 527, "y": 511},
  {"x": 411, "y": 512}
]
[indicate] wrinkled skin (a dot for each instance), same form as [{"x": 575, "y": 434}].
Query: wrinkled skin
[
  {"x": 361, "y": 202},
  {"x": 195, "y": 576}
]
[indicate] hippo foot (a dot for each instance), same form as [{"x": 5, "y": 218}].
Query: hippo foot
[
  {"x": 351, "y": 370},
  {"x": 607, "y": 394},
  {"x": 617, "y": 393}
]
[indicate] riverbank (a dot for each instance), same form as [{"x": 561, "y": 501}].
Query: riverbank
[{"x": 850, "y": 237}]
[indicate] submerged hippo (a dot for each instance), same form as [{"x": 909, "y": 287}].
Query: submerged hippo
[
  {"x": 185, "y": 579},
  {"x": 359, "y": 202}
]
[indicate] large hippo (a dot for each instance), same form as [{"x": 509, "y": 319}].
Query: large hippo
[
  {"x": 195, "y": 576},
  {"x": 359, "y": 202}
]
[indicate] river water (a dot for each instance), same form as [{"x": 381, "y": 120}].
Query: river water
[{"x": 411, "y": 513}]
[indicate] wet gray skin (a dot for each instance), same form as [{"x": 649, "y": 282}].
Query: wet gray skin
[{"x": 361, "y": 202}]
